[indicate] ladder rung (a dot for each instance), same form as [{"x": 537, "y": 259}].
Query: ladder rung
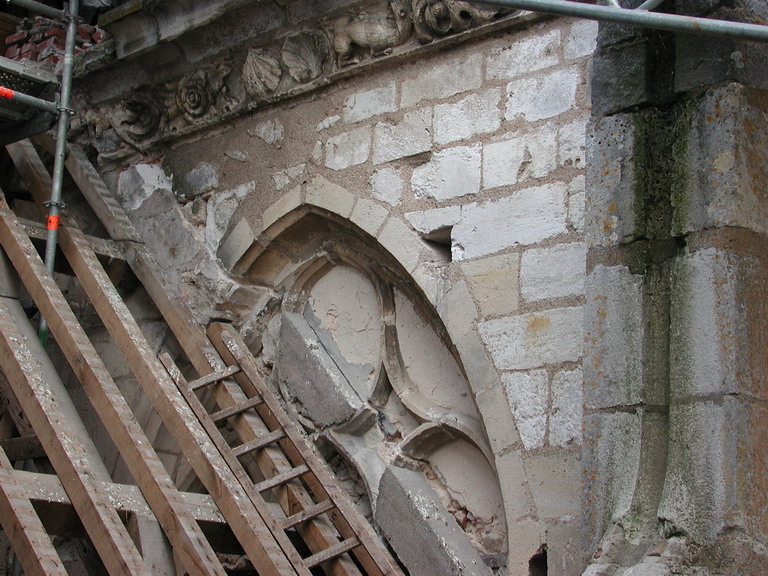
[
  {"x": 214, "y": 377},
  {"x": 333, "y": 552},
  {"x": 258, "y": 443},
  {"x": 236, "y": 409},
  {"x": 307, "y": 514},
  {"x": 281, "y": 478}
]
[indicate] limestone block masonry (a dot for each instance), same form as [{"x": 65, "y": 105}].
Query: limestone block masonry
[
  {"x": 467, "y": 166},
  {"x": 465, "y": 169}
]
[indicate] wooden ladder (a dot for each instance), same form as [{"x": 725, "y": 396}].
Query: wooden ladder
[{"x": 290, "y": 471}]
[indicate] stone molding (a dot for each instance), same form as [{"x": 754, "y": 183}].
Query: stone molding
[{"x": 292, "y": 63}]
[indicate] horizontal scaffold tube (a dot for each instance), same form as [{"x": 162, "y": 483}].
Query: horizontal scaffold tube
[
  {"x": 39, "y": 8},
  {"x": 642, "y": 18},
  {"x": 27, "y": 100}
]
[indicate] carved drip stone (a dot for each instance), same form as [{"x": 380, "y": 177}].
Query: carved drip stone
[
  {"x": 261, "y": 73},
  {"x": 194, "y": 97},
  {"x": 437, "y": 18},
  {"x": 138, "y": 118},
  {"x": 289, "y": 65},
  {"x": 303, "y": 56},
  {"x": 372, "y": 32}
]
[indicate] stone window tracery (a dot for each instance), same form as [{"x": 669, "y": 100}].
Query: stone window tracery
[{"x": 372, "y": 375}]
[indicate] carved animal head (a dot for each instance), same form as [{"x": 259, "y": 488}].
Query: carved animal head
[{"x": 401, "y": 9}]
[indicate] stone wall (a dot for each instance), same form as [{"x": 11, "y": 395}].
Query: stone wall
[
  {"x": 461, "y": 175},
  {"x": 557, "y": 339},
  {"x": 675, "y": 228}
]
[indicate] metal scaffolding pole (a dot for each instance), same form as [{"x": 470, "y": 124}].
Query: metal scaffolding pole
[
  {"x": 614, "y": 12},
  {"x": 54, "y": 205}
]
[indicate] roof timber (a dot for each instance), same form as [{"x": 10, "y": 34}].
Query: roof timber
[
  {"x": 125, "y": 498},
  {"x": 25, "y": 530},
  {"x": 318, "y": 534},
  {"x": 32, "y": 382}
]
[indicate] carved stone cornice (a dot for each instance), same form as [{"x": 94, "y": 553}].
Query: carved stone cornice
[{"x": 293, "y": 63}]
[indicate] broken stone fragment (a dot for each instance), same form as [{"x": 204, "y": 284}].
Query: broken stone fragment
[
  {"x": 420, "y": 530},
  {"x": 311, "y": 377}
]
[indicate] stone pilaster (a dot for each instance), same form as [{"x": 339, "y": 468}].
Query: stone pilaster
[{"x": 676, "y": 317}]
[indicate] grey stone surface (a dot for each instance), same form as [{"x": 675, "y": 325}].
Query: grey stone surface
[
  {"x": 535, "y": 339},
  {"x": 363, "y": 105},
  {"x": 475, "y": 114},
  {"x": 614, "y": 332},
  {"x": 727, "y": 142},
  {"x": 610, "y": 462},
  {"x": 526, "y": 217},
  {"x": 521, "y": 157},
  {"x": 697, "y": 481},
  {"x": 201, "y": 179},
  {"x": 421, "y": 532},
  {"x": 387, "y": 185},
  {"x": 544, "y": 96},
  {"x": 566, "y": 415},
  {"x": 440, "y": 81},
  {"x": 411, "y": 136},
  {"x": 452, "y": 173},
  {"x": 527, "y": 393},
  {"x": 348, "y": 149},
  {"x": 620, "y": 77},
  {"x": 705, "y": 322},
  {"x": 310, "y": 375},
  {"x": 553, "y": 272},
  {"x": 581, "y": 39},
  {"x": 525, "y": 55},
  {"x": 610, "y": 197},
  {"x": 221, "y": 209}
]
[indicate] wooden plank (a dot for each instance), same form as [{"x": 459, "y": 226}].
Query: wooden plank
[
  {"x": 214, "y": 377},
  {"x": 237, "y": 409},
  {"x": 101, "y": 200},
  {"x": 155, "y": 548},
  {"x": 246, "y": 522},
  {"x": 22, "y": 357},
  {"x": 258, "y": 443},
  {"x": 333, "y": 552},
  {"x": 280, "y": 479},
  {"x": 181, "y": 529},
  {"x": 307, "y": 514},
  {"x": 318, "y": 533},
  {"x": 125, "y": 498},
  {"x": 372, "y": 555},
  {"x": 102, "y": 246},
  {"x": 25, "y": 531},
  {"x": 22, "y": 448}
]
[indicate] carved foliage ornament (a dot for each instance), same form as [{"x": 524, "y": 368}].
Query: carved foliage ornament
[
  {"x": 193, "y": 96},
  {"x": 438, "y": 18},
  {"x": 288, "y": 64}
]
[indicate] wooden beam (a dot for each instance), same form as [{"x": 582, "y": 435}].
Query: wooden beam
[
  {"x": 372, "y": 555},
  {"x": 132, "y": 443},
  {"x": 103, "y": 247},
  {"x": 125, "y": 498},
  {"x": 24, "y": 362},
  {"x": 23, "y": 527},
  {"x": 22, "y": 448},
  {"x": 245, "y": 521},
  {"x": 318, "y": 533}
]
